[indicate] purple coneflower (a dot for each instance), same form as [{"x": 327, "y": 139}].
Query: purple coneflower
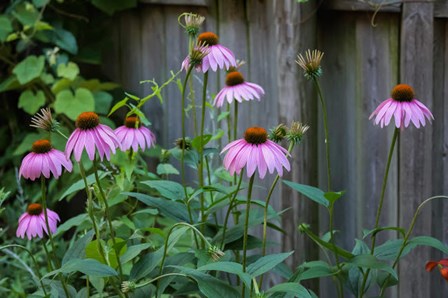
[
  {"x": 89, "y": 133},
  {"x": 404, "y": 107},
  {"x": 255, "y": 151},
  {"x": 218, "y": 56},
  {"x": 43, "y": 160},
  {"x": 237, "y": 88},
  {"x": 32, "y": 222},
  {"x": 133, "y": 135}
]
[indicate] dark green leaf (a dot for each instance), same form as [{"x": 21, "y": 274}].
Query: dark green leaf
[
  {"x": 166, "y": 169},
  {"x": 5, "y": 27},
  {"x": 65, "y": 40},
  {"x": 371, "y": 262},
  {"x": 290, "y": 288},
  {"x": 103, "y": 100},
  {"x": 266, "y": 263},
  {"x": 168, "y": 208},
  {"x": 78, "y": 250},
  {"x": 168, "y": 189},
  {"x": 310, "y": 192},
  {"x": 229, "y": 267},
  {"x": 29, "y": 68},
  {"x": 87, "y": 266}
]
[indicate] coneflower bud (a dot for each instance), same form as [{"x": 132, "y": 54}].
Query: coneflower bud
[
  {"x": 198, "y": 53},
  {"x": 215, "y": 252},
  {"x": 192, "y": 23},
  {"x": 296, "y": 132},
  {"x": 278, "y": 133},
  {"x": 127, "y": 286},
  {"x": 311, "y": 63}
]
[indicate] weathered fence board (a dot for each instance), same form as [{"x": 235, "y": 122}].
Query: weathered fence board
[{"x": 362, "y": 63}]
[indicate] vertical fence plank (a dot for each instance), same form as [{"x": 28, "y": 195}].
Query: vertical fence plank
[{"x": 416, "y": 148}]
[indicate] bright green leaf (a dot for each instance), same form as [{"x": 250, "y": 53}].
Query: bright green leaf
[
  {"x": 333, "y": 196},
  {"x": 5, "y": 27},
  {"x": 30, "y": 68},
  {"x": 229, "y": 267},
  {"x": 74, "y": 104},
  {"x": 26, "y": 13},
  {"x": 103, "y": 100},
  {"x": 31, "y": 102},
  {"x": 166, "y": 169},
  {"x": 68, "y": 71}
]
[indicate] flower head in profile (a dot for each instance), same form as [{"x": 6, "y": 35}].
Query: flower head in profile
[
  {"x": 195, "y": 58},
  {"x": 218, "y": 56},
  {"x": 255, "y": 151},
  {"x": 296, "y": 132},
  {"x": 90, "y": 134},
  {"x": 441, "y": 264},
  {"x": 237, "y": 88},
  {"x": 192, "y": 22},
  {"x": 215, "y": 252},
  {"x": 44, "y": 121},
  {"x": 278, "y": 133},
  {"x": 32, "y": 222},
  {"x": 403, "y": 106},
  {"x": 310, "y": 63},
  {"x": 44, "y": 160},
  {"x": 133, "y": 135}
]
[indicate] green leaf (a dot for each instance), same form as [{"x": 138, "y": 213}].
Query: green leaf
[
  {"x": 29, "y": 68},
  {"x": 166, "y": 169},
  {"x": 229, "y": 267},
  {"x": 26, "y": 143},
  {"x": 428, "y": 241},
  {"x": 171, "y": 209},
  {"x": 315, "y": 269},
  {"x": 93, "y": 251},
  {"x": 72, "y": 222},
  {"x": 112, "y": 6},
  {"x": 310, "y": 192},
  {"x": 223, "y": 115},
  {"x": 74, "y": 104},
  {"x": 196, "y": 142},
  {"x": 333, "y": 196},
  {"x": 80, "y": 184},
  {"x": 5, "y": 27},
  {"x": 68, "y": 71},
  {"x": 266, "y": 263},
  {"x": 373, "y": 232},
  {"x": 10, "y": 83},
  {"x": 78, "y": 250},
  {"x": 103, "y": 100},
  {"x": 371, "y": 262},
  {"x": 87, "y": 266},
  {"x": 118, "y": 105},
  {"x": 133, "y": 251},
  {"x": 65, "y": 40},
  {"x": 26, "y": 13},
  {"x": 31, "y": 102},
  {"x": 290, "y": 288},
  {"x": 168, "y": 189},
  {"x": 389, "y": 250},
  {"x": 208, "y": 285},
  {"x": 40, "y": 3}
]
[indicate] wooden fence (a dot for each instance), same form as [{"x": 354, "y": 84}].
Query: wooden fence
[{"x": 369, "y": 47}]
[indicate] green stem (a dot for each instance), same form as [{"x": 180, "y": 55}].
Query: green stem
[
  {"x": 39, "y": 277},
  {"x": 108, "y": 218},
  {"x": 406, "y": 237},
  {"x": 327, "y": 141},
  {"x": 246, "y": 226},
  {"x": 235, "y": 120},
  {"x": 201, "y": 152},
  {"x": 380, "y": 206},
  {"x": 47, "y": 225},
  {"x": 265, "y": 214},
  {"x": 229, "y": 210},
  {"x": 209, "y": 181},
  {"x": 229, "y": 124}
]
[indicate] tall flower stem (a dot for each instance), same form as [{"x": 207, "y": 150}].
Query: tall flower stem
[
  {"x": 182, "y": 156},
  {"x": 201, "y": 152},
  {"x": 380, "y": 206},
  {"x": 327, "y": 141},
  {"x": 246, "y": 227},
  {"x": 406, "y": 237},
  {"x": 50, "y": 237},
  {"x": 265, "y": 214},
  {"x": 229, "y": 210},
  {"x": 108, "y": 219},
  {"x": 235, "y": 120}
]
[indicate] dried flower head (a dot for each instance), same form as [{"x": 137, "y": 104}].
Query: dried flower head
[
  {"x": 197, "y": 54},
  {"x": 278, "y": 133},
  {"x": 311, "y": 63},
  {"x": 215, "y": 252},
  {"x": 192, "y": 22},
  {"x": 296, "y": 132},
  {"x": 44, "y": 121},
  {"x": 127, "y": 286}
]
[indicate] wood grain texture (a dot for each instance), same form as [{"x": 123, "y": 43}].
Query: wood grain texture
[{"x": 416, "y": 145}]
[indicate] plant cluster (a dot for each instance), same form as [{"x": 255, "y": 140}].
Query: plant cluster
[{"x": 185, "y": 229}]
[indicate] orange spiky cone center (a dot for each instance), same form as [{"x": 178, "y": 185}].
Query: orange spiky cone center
[{"x": 256, "y": 135}]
